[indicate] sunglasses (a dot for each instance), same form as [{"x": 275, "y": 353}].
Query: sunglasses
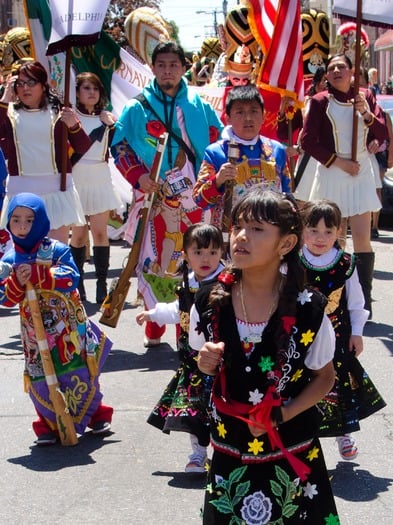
[{"x": 29, "y": 83}]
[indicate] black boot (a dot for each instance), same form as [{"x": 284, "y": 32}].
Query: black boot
[
  {"x": 79, "y": 256},
  {"x": 365, "y": 266},
  {"x": 101, "y": 262}
]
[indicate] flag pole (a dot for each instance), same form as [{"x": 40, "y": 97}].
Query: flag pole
[
  {"x": 356, "y": 76},
  {"x": 66, "y": 102}
]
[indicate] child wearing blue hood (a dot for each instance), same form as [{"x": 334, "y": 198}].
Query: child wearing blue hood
[{"x": 78, "y": 348}]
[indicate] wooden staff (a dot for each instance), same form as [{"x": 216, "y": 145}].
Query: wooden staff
[
  {"x": 64, "y": 421},
  {"x": 113, "y": 303},
  {"x": 356, "y": 78},
  {"x": 64, "y": 137}
]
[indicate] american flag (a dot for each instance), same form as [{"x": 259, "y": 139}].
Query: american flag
[{"x": 276, "y": 26}]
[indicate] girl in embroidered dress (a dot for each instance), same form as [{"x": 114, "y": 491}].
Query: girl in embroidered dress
[
  {"x": 332, "y": 271},
  {"x": 270, "y": 347},
  {"x": 78, "y": 347},
  {"x": 183, "y": 405},
  {"x": 32, "y": 124},
  {"x": 93, "y": 180}
]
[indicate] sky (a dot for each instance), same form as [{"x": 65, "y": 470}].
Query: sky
[{"x": 193, "y": 27}]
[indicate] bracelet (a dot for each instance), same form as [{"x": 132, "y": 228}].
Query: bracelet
[{"x": 364, "y": 112}]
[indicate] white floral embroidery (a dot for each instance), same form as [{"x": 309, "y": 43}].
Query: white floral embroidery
[
  {"x": 256, "y": 509},
  {"x": 304, "y": 297},
  {"x": 255, "y": 397},
  {"x": 310, "y": 490}
]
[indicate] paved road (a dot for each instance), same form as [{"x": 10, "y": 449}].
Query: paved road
[{"x": 135, "y": 476}]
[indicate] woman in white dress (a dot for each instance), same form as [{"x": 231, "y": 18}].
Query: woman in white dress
[
  {"x": 32, "y": 122},
  {"x": 327, "y": 136},
  {"x": 93, "y": 180}
]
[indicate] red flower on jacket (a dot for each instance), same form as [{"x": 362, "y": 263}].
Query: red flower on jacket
[
  {"x": 155, "y": 128},
  {"x": 213, "y": 134}
]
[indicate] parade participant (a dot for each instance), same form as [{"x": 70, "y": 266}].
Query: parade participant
[
  {"x": 93, "y": 180},
  {"x": 306, "y": 166},
  {"x": 260, "y": 159},
  {"x": 332, "y": 271},
  {"x": 78, "y": 348},
  {"x": 184, "y": 403},
  {"x": 166, "y": 104},
  {"x": 270, "y": 348},
  {"x": 327, "y": 136},
  {"x": 31, "y": 125}
]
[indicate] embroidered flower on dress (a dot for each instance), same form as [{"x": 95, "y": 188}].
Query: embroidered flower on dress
[
  {"x": 255, "y": 397},
  {"x": 287, "y": 322},
  {"x": 155, "y": 128},
  {"x": 304, "y": 297},
  {"x": 310, "y": 490},
  {"x": 256, "y": 509}
]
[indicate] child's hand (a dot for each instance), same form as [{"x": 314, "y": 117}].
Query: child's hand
[
  {"x": 23, "y": 273},
  {"x": 142, "y": 317},
  {"x": 227, "y": 171},
  {"x": 209, "y": 357},
  {"x": 356, "y": 344}
]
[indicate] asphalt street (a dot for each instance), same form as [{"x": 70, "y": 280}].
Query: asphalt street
[{"x": 136, "y": 475}]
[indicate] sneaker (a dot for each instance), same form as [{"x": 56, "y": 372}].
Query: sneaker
[
  {"x": 44, "y": 440},
  {"x": 100, "y": 427},
  {"x": 150, "y": 343},
  {"x": 196, "y": 465},
  {"x": 347, "y": 447}
]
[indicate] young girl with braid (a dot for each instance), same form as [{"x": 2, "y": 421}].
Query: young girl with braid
[
  {"x": 266, "y": 340},
  {"x": 183, "y": 405}
]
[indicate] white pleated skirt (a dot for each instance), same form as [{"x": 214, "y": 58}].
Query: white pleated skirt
[
  {"x": 353, "y": 195},
  {"x": 63, "y": 207},
  {"x": 303, "y": 190},
  {"x": 94, "y": 184}
]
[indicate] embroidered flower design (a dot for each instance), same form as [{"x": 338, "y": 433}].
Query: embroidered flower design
[
  {"x": 255, "y": 397},
  {"x": 266, "y": 364},
  {"x": 221, "y": 430},
  {"x": 313, "y": 454},
  {"x": 255, "y": 446},
  {"x": 310, "y": 490},
  {"x": 226, "y": 278},
  {"x": 213, "y": 134},
  {"x": 155, "y": 128},
  {"x": 287, "y": 322},
  {"x": 256, "y": 509},
  {"x": 304, "y": 297},
  {"x": 297, "y": 375},
  {"x": 307, "y": 337}
]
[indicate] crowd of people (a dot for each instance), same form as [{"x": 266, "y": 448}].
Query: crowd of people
[{"x": 269, "y": 308}]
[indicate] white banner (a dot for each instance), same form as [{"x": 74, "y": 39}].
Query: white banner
[
  {"x": 377, "y": 11},
  {"x": 76, "y": 17},
  {"x": 132, "y": 76}
]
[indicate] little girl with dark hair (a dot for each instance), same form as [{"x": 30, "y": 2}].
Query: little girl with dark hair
[
  {"x": 183, "y": 405},
  {"x": 332, "y": 271},
  {"x": 270, "y": 348}
]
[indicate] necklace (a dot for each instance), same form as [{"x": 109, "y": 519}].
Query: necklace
[{"x": 255, "y": 337}]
